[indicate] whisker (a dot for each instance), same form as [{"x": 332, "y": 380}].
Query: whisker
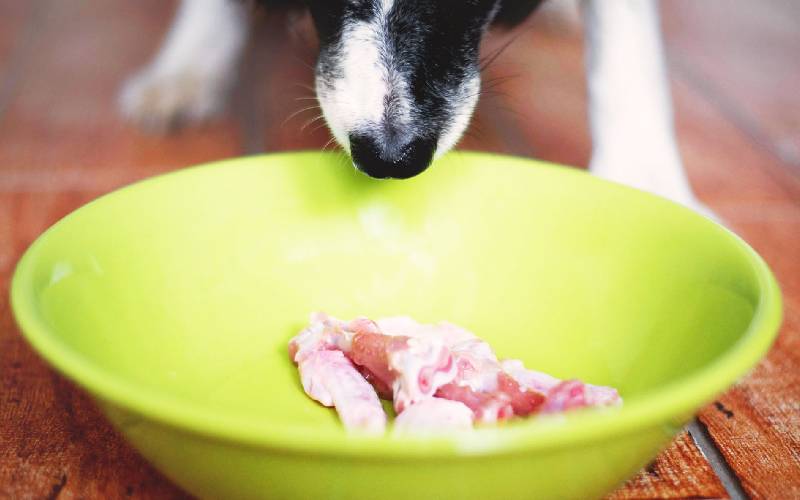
[
  {"x": 330, "y": 141},
  {"x": 498, "y": 80},
  {"x": 523, "y": 29},
  {"x": 309, "y": 122},
  {"x": 485, "y": 63},
  {"x": 304, "y": 63},
  {"x": 321, "y": 125},
  {"x": 472, "y": 134},
  {"x": 495, "y": 94},
  {"x": 514, "y": 112},
  {"x": 476, "y": 128},
  {"x": 304, "y": 86},
  {"x": 299, "y": 111}
]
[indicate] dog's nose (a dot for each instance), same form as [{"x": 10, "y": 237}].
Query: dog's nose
[{"x": 387, "y": 161}]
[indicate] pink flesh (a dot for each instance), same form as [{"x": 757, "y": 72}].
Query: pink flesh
[
  {"x": 432, "y": 415},
  {"x": 507, "y": 400},
  {"x": 379, "y": 353},
  {"x": 384, "y": 391},
  {"x": 411, "y": 362},
  {"x": 486, "y": 407},
  {"x": 330, "y": 378},
  {"x": 571, "y": 394},
  {"x": 523, "y": 401},
  {"x": 562, "y": 394},
  {"x": 322, "y": 334},
  {"x": 371, "y": 350}
]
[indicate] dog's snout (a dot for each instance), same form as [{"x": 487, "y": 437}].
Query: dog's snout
[{"x": 382, "y": 160}]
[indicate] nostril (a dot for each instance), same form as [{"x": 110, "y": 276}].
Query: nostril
[
  {"x": 416, "y": 157},
  {"x": 367, "y": 157},
  {"x": 384, "y": 161}
]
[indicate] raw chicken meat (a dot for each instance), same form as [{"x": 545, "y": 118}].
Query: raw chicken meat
[
  {"x": 432, "y": 415},
  {"x": 439, "y": 376},
  {"x": 561, "y": 394},
  {"x": 332, "y": 379}
]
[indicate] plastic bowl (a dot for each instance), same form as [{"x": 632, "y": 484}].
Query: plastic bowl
[{"x": 171, "y": 301}]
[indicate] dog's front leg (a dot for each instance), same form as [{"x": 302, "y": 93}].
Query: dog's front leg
[
  {"x": 630, "y": 109},
  {"x": 190, "y": 76}
]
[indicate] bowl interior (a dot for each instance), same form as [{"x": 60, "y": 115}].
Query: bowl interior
[{"x": 189, "y": 286}]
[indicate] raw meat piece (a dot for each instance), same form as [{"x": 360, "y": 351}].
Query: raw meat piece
[
  {"x": 413, "y": 367},
  {"x": 561, "y": 394},
  {"x": 433, "y": 415},
  {"x": 330, "y": 378},
  {"x": 345, "y": 363},
  {"x": 448, "y": 333},
  {"x": 505, "y": 400}
]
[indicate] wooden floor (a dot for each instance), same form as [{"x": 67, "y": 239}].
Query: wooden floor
[{"x": 735, "y": 71}]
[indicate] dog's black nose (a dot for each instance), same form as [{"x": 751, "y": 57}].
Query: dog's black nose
[{"x": 390, "y": 161}]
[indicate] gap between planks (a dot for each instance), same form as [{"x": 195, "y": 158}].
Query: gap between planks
[{"x": 705, "y": 443}]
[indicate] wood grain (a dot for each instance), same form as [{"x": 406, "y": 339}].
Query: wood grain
[
  {"x": 53, "y": 442},
  {"x": 16, "y": 22},
  {"x": 61, "y": 129},
  {"x": 679, "y": 472},
  {"x": 746, "y": 60},
  {"x": 62, "y": 144},
  {"x": 756, "y": 425}
]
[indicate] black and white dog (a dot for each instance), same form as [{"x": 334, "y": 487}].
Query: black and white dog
[{"x": 398, "y": 80}]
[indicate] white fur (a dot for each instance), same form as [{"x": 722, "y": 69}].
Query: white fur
[
  {"x": 193, "y": 71},
  {"x": 464, "y": 104},
  {"x": 369, "y": 82},
  {"x": 629, "y": 103}
]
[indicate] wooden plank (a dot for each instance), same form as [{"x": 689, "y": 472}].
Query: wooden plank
[
  {"x": 62, "y": 143},
  {"x": 17, "y": 20},
  {"x": 62, "y": 129},
  {"x": 53, "y": 441},
  {"x": 747, "y": 59},
  {"x": 679, "y": 472},
  {"x": 754, "y": 425}
]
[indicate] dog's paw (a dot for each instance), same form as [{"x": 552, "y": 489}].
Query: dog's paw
[{"x": 159, "y": 102}]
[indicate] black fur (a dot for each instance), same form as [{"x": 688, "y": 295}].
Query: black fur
[
  {"x": 510, "y": 13},
  {"x": 434, "y": 44},
  {"x": 514, "y": 12}
]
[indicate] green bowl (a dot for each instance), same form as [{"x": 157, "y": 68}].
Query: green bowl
[{"x": 171, "y": 301}]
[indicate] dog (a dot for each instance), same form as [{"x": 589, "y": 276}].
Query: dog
[{"x": 398, "y": 80}]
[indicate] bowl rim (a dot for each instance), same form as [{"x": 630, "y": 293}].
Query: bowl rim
[{"x": 669, "y": 406}]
